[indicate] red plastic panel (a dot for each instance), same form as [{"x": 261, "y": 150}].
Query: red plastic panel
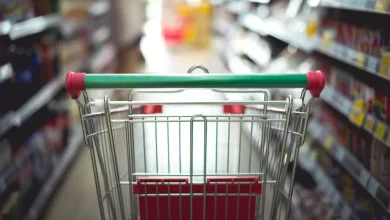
[
  {"x": 168, "y": 207},
  {"x": 151, "y": 109},
  {"x": 233, "y": 109}
]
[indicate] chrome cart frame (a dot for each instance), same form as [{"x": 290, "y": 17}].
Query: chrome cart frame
[{"x": 198, "y": 159}]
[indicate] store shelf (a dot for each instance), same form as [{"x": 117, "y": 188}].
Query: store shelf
[
  {"x": 334, "y": 50},
  {"x": 43, "y": 96},
  {"x": 6, "y": 72},
  {"x": 286, "y": 33},
  {"x": 352, "y": 57},
  {"x": 5, "y": 27},
  {"x": 12, "y": 170},
  {"x": 362, "y": 5},
  {"x": 306, "y": 160},
  {"x": 52, "y": 182},
  {"x": 99, "y": 8},
  {"x": 33, "y": 26},
  {"x": 351, "y": 164},
  {"x": 368, "y": 122}
]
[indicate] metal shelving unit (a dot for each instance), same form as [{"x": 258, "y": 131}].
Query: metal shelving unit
[
  {"x": 33, "y": 26},
  {"x": 370, "y": 6},
  {"x": 351, "y": 164},
  {"x": 47, "y": 190}
]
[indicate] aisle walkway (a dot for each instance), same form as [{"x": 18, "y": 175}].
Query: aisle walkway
[{"x": 76, "y": 198}]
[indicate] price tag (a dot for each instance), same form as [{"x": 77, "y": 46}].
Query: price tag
[
  {"x": 327, "y": 93},
  {"x": 341, "y": 103},
  {"x": 351, "y": 55},
  {"x": 364, "y": 177},
  {"x": 372, "y": 63},
  {"x": 357, "y": 112},
  {"x": 380, "y": 130},
  {"x": 381, "y": 5},
  {"x": 333, "y": 49},
  {"x": 341, "y": 50},
  {"x": 361, "y": 4},
  {"x": 326, "y": 41},
  {"x": 373, "y": 186},
  {"x": 328, "y": 142},
  {"x": 340, "y": 154},
  {"x": 369, "y": 123},
  {"x": 360, "y": 59}
]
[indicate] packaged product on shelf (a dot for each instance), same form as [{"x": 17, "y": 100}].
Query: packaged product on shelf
[
  {"x": 5, "y": 153},
  {"x": 12, "y": 208},
  {"x": 16, "y": 10},
  {"x": 380, "y": 162},
  {"x": 380, "y": 107},
  {"x": 45, "y": 7},
  {"x": 375, "y": 158},
  {"x": 53, "y": 136},
  {"x": 73, "y": 54},
  {"x": 48, "y": 56},
  {"x": 384, "y": 170},
  {"x": 24, "y": 179},
  {"x": 366, "y": 153},
  {"x": 36, "y": 144}
]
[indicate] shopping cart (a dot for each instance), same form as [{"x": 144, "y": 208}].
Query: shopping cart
[{"x": 191, "y": 154}]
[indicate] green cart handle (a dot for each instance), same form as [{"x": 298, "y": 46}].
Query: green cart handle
[{"x": 314, "y": 82}]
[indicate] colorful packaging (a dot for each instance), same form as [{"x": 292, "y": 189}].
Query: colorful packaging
[{"x": 36, "y": 144}]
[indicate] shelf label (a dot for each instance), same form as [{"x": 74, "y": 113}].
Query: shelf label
[
  {"x": 333, "y": 49},
  {"x": 340, "y": 102},
  {"x": 364, "y": 177},
  {"x": 340, "y": 154},
  {"x": 360, "y": 59},
  {"x": 327, "y": 93},
  {"x": 351, "y": 55},
  {"x": 328, "y": 142},
  {"x": 384, "y": 65},
  {"x": 373, "y": 186},
  {"x": 357, "y": 113},
  {"x": 381, "y": 5},
  {"x": 369, "y": 123},
  {"x": 361, "y": 4},
  {"x": 380, "y": 130},
  {"x": 372, "y": 63}
]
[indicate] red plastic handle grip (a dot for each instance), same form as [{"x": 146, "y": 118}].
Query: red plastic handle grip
[
  {"x": 75, "y": 84},
  {"x": 315, "y": 83}
]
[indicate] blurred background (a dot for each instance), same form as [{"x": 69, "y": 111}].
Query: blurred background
[{"x": 45, "y": 169}]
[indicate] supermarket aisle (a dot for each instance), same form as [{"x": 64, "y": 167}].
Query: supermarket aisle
[{"x": 76, "y": 198}]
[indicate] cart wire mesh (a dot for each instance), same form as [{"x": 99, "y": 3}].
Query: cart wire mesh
[{"x": 192, "y": 161}]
